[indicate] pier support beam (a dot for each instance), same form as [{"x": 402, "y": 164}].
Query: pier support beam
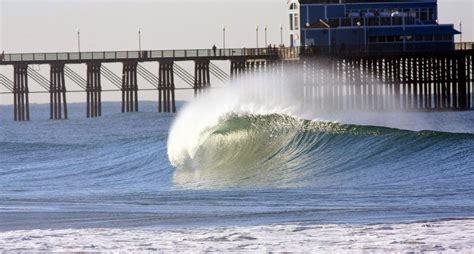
[
  {"x": 237, "y": 68},
  {"x": 202, "y": 78},
  {"x": 57, "y": 92},
  {"x": 21, "y": 105},
  {"x": 462, "y": 83},
  {"x": 93, "y": 89},
  {"x": 129, "y": 87},
  {"x": 166, "y": 88}
]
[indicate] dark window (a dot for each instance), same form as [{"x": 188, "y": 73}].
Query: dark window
[
  {"x": 447, "y": 38},
  {"x": 424, "y": 14},
  {"x": 373, "y": 21},
  {"x": 346, "y": 22},
  {"x": 382, "y": 39},
  {"x": 397, "y": 21},
  {"x": 297, "y": 22},
  {"x": 390, "y": 38},
  {"x": 291, "y": 22},
  {"x": 333, "y": 22},
  {"x": 385, "y": 21},
  {"x": 430, "y": 14},
  {"x": 372, "y": 39}
]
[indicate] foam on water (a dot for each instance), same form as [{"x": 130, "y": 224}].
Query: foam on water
[{"x": 441, "y": 236}]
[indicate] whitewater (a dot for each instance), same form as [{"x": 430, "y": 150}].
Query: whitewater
[{"x": 246, "y": 168}]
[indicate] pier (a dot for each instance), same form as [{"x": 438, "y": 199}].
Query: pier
[
  {"x": 162, "y": 79},
  {"x": 349, "y": 79},
  {"x": 426, "y": 80}
]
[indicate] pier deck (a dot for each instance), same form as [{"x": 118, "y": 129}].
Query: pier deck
[
  {"x": 139, "y": 56},
  {"x": 349, "y": 80}
]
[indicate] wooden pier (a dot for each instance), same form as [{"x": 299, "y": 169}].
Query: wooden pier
[
  {"x": 408, "y": 81},
  {"x": 432, "y": 80}
]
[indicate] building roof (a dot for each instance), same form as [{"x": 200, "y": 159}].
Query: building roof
[{"x": 362, "y": 1}]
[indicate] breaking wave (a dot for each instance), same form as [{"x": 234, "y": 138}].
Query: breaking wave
[{"x": 255, "y": 141}]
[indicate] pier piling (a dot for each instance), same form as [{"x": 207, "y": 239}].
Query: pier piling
[
  {"x": 166, "y": 87},
  {"x": 202, "y": 77},
  {"x": 21, "y": 105},
  {"x": 237, "y": 68},
  {"x": 93, "y": 90},
  {"x": 129, "y": 87},
  {"x": 57, "y": 92}
]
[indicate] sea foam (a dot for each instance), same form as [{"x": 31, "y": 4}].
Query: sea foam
[{"x": 440, "y": 236}]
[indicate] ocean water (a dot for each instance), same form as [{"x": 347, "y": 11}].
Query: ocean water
[{"x": 233, "y": 161}]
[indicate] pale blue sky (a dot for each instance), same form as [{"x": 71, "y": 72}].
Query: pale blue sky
[
  {"x": 50, "y": 26},
  {"x": 110, "y": 25}
]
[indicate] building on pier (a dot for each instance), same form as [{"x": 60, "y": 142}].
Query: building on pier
[{"x": 390, "y": 25}]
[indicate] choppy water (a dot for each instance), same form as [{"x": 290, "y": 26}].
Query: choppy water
[{"x": 114, "y": 171}]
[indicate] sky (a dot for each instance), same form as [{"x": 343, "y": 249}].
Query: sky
[{"x": 50, "y": 26}]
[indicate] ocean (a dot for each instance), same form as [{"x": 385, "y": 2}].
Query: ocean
[{"x": 235, "y": 172}]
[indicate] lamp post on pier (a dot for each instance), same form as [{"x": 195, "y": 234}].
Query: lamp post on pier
[
  {"x": 139, "y": 39},
  {"x": 281, "y": 35},
  {"x": 266, "y": 42},
  {"x": 223, "y": 37},
  {"x": 460, "y": 35},
  {"x": 78, "y": 40},
  {"x": 257, "y": 35}
]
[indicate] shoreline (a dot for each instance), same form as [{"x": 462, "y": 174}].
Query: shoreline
[{"x": 441, "y": 235}]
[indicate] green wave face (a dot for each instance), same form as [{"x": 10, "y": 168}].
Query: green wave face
[{"x": 281, "y": 151}]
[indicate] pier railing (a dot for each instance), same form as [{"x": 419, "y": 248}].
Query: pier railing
[
  {"x": 190, "y": 54},
  {"x": 140, "y": 55}
]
